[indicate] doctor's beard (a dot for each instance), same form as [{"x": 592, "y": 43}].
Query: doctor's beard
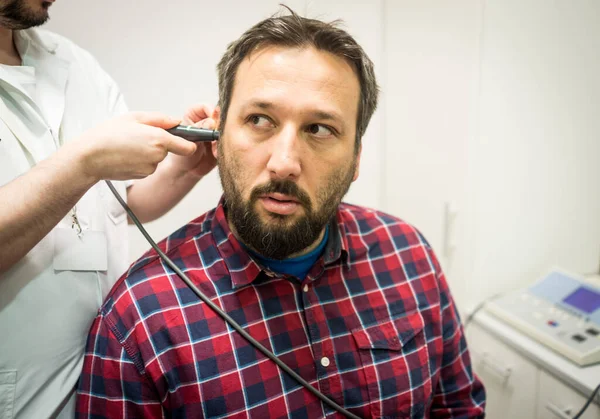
[{"x": 20, "y": 14}]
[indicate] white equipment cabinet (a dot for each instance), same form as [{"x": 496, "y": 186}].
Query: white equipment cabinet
[{"x": 525, "y": 379}]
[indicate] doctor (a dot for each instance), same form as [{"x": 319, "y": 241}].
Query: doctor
[{"x": 63, "y": 129}]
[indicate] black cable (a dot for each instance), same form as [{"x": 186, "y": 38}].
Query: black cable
[
  {"x": 225, "y": 316},
  {"x": 477, "y": 309},
  {"x": 472, "y": 314},
  {"x": 586, "y": 405}
]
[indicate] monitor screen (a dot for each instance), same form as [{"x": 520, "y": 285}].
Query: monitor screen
[{"x": 584, "y": 299}]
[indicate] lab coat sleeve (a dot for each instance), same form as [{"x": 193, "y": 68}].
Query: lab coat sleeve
[
  {"x": 113, "y": 99},
  {"x": 115, "y": 102}
]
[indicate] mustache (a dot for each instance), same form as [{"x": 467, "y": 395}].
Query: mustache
[{"x": 286, "y": 187}]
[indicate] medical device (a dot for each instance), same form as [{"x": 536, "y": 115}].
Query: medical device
[
  {"x": 562, "y": 311},
  {"x": 194, "y": 134}
]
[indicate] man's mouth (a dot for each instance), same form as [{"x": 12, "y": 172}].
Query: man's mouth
[
  {"x": 281, "y": 197},
  {"x": 279, "y": 203}
]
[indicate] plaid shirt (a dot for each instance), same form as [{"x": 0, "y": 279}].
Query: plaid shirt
[{"x": 372, "y": 326}]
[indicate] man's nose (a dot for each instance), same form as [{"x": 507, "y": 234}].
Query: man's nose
[{"x": 284, "y": 162}]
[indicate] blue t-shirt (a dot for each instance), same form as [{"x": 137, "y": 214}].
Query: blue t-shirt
[{"x": 298, "y": 266}]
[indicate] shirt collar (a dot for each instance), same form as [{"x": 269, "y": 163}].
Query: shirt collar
[
  {"x": 244, "y": 270},
  {"x": 337, "y": 245},
  {"x": 26, "y": 38}
]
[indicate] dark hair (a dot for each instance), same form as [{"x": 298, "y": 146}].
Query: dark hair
[{"x": 295, "y": 31}]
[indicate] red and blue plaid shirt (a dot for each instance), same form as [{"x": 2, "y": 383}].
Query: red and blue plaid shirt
[{"x": 372, "y": 326}]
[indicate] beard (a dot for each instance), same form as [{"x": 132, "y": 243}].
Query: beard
[
  {"x": 17, "y": 14},
  {"x": 282, "y": 235}
]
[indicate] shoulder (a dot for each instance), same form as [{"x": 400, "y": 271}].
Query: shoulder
[
  {"x": 148, "y": 286},
  {"x": 59, "y": 45},
  {"x": 82, "y": 64},
  {"x": 368, "y": 222},
  {"x": 387, "y": 244}
]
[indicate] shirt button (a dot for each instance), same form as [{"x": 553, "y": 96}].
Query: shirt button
[
  {"x": 325, "y": 361},
  {"x": 305, "y": 288}
]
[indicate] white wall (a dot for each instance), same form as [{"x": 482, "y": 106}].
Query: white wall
[
  {"x": 535, "y": 181},
  {"x": 432, "y": 75}
]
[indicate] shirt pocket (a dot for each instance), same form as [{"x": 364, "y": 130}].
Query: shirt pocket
[
  {"x": 395, "y": 362},
  {"x": 8, "y": 385}
]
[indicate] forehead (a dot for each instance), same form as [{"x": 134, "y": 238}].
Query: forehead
[{"x": 298, "y": 78}]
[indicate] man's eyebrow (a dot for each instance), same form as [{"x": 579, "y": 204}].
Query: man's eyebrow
[
  {"x": 331, "y": 116},
  {"x": 318, "y": 114},
  {"x": 259, "y": 104}
]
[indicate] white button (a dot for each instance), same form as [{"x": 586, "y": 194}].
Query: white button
[
  {"x": 305, "y": 289},
  {"x": 325, "y": 361}
]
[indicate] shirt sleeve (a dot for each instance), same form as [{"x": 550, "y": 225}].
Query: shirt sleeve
[
  {"x": 113, "y": 97},
  {"x": 111, "y": 384},
  {"x": 116, "y": 104},
  {"x": 459, "y": 393}
]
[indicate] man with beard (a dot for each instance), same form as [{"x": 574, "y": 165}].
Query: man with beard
[
  {"x": 352, "y": 299},
  {"x": 63, "y": 236}
]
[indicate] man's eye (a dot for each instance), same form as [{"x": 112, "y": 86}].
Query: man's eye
[
  {"x": 319, "y": 130},
  {"x": 260, "y": 121}
]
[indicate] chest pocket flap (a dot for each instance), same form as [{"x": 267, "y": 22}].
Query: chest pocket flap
[{"x": 391, "y": 334}]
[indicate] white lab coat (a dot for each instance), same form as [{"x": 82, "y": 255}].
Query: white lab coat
[{"x": 45, "y": 314}]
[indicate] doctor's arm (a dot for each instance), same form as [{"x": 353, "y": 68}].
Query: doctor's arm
[
  {"x": 153, "y": 196},
  {"x": 126, "y": 147}
]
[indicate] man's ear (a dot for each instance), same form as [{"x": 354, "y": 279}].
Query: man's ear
[
  {"x": 215, "y": 148},
  {"x": 357, "y": 169},
  {"x": 217, "y": 115}
]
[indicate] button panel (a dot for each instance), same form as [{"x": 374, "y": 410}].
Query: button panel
[{"x": 592, "y": 332}]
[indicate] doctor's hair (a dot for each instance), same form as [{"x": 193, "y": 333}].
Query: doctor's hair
[{"x": 295, "y": 31}]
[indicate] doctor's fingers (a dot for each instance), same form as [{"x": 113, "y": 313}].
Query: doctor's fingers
[
  {"x": 160, "y": 139},
  {"x": 154, "y": 119},
  {"x": 160, "y": 143},
  {"x": 207, "y": 123},
  {"x": 197, "y": 113},
  {"x": 178, "y": 145}
]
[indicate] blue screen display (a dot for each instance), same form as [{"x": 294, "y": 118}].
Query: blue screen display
[{"x": 584, "y": 299}]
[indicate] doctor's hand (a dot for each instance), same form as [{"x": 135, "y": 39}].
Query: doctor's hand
[
  {"x": 129, "y": 146},
  {"x": 202, "y": 161}
]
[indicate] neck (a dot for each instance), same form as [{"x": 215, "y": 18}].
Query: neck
[{"x": 8, "y": 52}]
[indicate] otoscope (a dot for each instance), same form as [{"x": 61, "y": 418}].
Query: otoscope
[{"x": 194, "y": 134}]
